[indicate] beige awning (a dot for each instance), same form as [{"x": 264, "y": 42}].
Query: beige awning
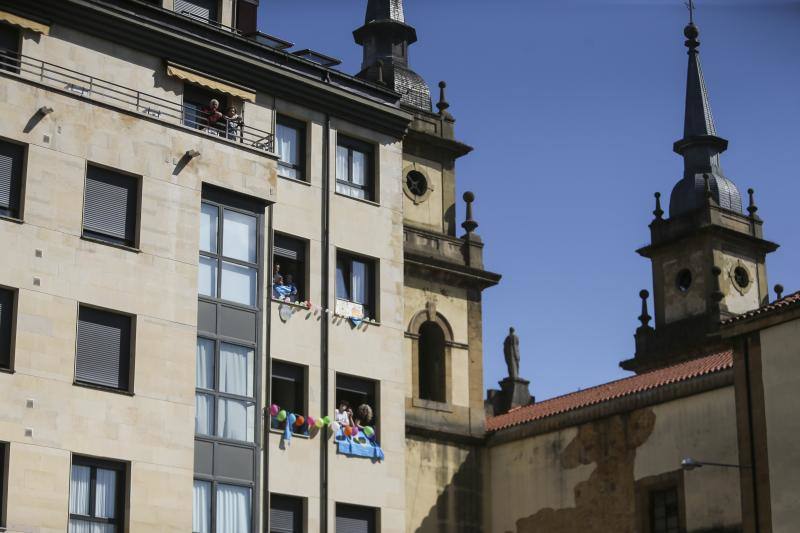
[
  {"x": 209, "y": 82},
  {"x": 22, "y": 22}
]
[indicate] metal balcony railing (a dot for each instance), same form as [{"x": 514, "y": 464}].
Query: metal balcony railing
[
  {"x": 199, "y": 18},
  {"x": 123, "y": 97}
]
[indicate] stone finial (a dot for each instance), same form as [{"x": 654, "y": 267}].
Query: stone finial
[
  {"x": 658, "y": 212},
  {"x": 645, "y": 317},
  {"x": 442, "y": 105},
  {"x": 470, "y": 225},
  {"x": 717, "y": 295},
  {"x": 752, "y": 208},
  {"x": 778, "y": 291}
]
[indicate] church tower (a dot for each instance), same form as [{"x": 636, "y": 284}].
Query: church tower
[
  {"x": 708, "y": 258},
  {"x": 444, "y": 278}
]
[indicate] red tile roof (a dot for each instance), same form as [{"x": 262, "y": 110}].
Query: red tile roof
[
  {"x": 775, "y": 307},
  {"x": 610, "y": 391}
]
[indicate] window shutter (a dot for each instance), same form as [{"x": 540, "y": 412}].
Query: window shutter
[
  {"x": 10, "y": 170},
  {"x": 205, "y": 9},
  {"x": 352, "y": 519},
  {"x": 287, "y": 372},
  {"x": 110, "y": 205},
  {"x": 6, "y": 315},
  {"x": 103, "y": 348},
  {"x": 289, "y": 248},
  {"x": 285, "y": 515}
]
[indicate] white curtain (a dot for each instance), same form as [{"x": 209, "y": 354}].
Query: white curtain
[
  {"x": 239, "y": 236},
  {"x": 205, "y": 364},
  {"x": 288, "y": 150},
  {"x": 233, "y": 509},
  {"x": 79, "y": 526},
  {"x": 201, "y": 510},
  {"x": 209, "y": 215},
  {"x": 236, "y": 420},
  {"x": 236, "y": 370},
  {"x": 341, "y": 164},
  {"x": 359, "y": 168},
  {"x": 359, "y": 282},
  {"x": 207, "y": 277},
  {"x": 203, "y": 414},
  {"x": 342, "y": 291},
  {"x": 105, "y": 493},
  {"x": 239, "y": 283},
  {"x": 79, "y": 490}
]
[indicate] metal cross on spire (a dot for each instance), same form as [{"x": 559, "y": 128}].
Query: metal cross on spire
[{"x": 691, "y": 8}]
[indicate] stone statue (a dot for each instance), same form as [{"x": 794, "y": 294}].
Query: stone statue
[{"x": 511, "y": 351}]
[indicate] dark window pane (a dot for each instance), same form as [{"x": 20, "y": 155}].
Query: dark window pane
[
  {"x": 355, "y": 519},
  {"x": 11, "y": 159},
  {"x": 431, "y": 362},
  {"x": 356, "y": 392},
  {"x": 9, "y": 48},
  {"x": 6, "y": 332},
  {"x": 289, "y": 270},
  {"x": 286, "y": 514},
  {"x": 103, "y": 348},
  {"x": 110, "y": 202},
  {"x": 288, "y": 392}
]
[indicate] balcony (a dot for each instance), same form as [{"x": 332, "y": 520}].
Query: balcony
[{"x": 152, "y": 107}]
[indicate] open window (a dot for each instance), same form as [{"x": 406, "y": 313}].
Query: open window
[
  {"x": 198, "y": 108},
  {"x": 355, "y": 286},
  {"x": 289, "y": 269},
  {"x": 9, "y": 48},
  {"x": 289, "y": 392},
  {"x": 432, "y": 378},
  {"x": 357, "y": 392}
]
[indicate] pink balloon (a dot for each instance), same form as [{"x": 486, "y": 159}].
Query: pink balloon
[
  {"x": 355, "y": 430},
  {"x": 274, "y": 410},
  {"x": 310, "y": 421}
]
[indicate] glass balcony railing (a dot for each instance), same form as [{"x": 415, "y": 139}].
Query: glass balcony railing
[{"x": 238, "y": 132}]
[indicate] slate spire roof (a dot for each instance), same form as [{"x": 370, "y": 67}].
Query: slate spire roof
[
  {"x": 700, "y": 146},
  {"x": 384, "y": 10}
]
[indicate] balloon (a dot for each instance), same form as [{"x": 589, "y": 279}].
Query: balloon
[
  {"x": 355, "y": 430},
  {"x": 290, "y": 420},
  {"x": 311, "y": 421},
  {"x": 299, "y": 421},
  {"x": 327, "y": 420},
  {"x": 368, "y": 431},
  {"x": 334, "y": 426},
  {"x": 274, "y": 409},
  {"x": 348, "y": 431},
  {"x": 281, "y": 415},
  {"x": 319, "y": 423}
]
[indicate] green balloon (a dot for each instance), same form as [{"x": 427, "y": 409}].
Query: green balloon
[
  {"x": 327, "y": 420},
  {"x": 281, "y": 415},
  {"x": 318, "y": 423},
  {"x": 368, "y": 431}
]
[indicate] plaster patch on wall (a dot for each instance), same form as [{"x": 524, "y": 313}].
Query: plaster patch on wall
[{"x": 604, "y": 502}]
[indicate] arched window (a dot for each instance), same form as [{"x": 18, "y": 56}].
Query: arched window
[{"x": 431, "y": 362}]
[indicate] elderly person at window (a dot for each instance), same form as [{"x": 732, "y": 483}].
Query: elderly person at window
[{"x": 212, "y": 116}]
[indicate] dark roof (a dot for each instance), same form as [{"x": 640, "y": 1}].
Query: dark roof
[
  {"x": 779, "y": 306},
  {"x": 613, "y": 390},
  {"x": 412, "y": 88},
  {"x": 690, "y": 194}
]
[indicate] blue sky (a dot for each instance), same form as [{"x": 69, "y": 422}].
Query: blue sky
[{"x": 573, "y": 107}]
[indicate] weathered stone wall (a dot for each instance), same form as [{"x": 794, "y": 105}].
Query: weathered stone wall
[
  {"x": 591, "y": 478},
  {"x": 780, "y": 352}
]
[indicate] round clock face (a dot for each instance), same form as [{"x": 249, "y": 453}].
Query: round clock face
[
  {"x": 741, "y": 277},
  {"x": 684, "y": 280},
  {"x": 417, "y": 183}
]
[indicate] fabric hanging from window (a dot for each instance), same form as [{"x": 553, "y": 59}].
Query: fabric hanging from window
[
  {"x": 203, "y": 414},
  {"x": 233, "y": 509},
  {"x": 79, "y": 490},
  {"x": 342, "y": 284},
  {"x": 236, "y": 370},
  {"x": 105, "y": 493},
  {"x": 201, "y": 508},
  {"x": 209, "y": 82},
  {"x": 205, "y": 364}
]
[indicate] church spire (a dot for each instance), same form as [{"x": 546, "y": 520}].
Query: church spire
[
  {"x": 386, "y": 37},
  {"x": 700, "y": 146}
]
